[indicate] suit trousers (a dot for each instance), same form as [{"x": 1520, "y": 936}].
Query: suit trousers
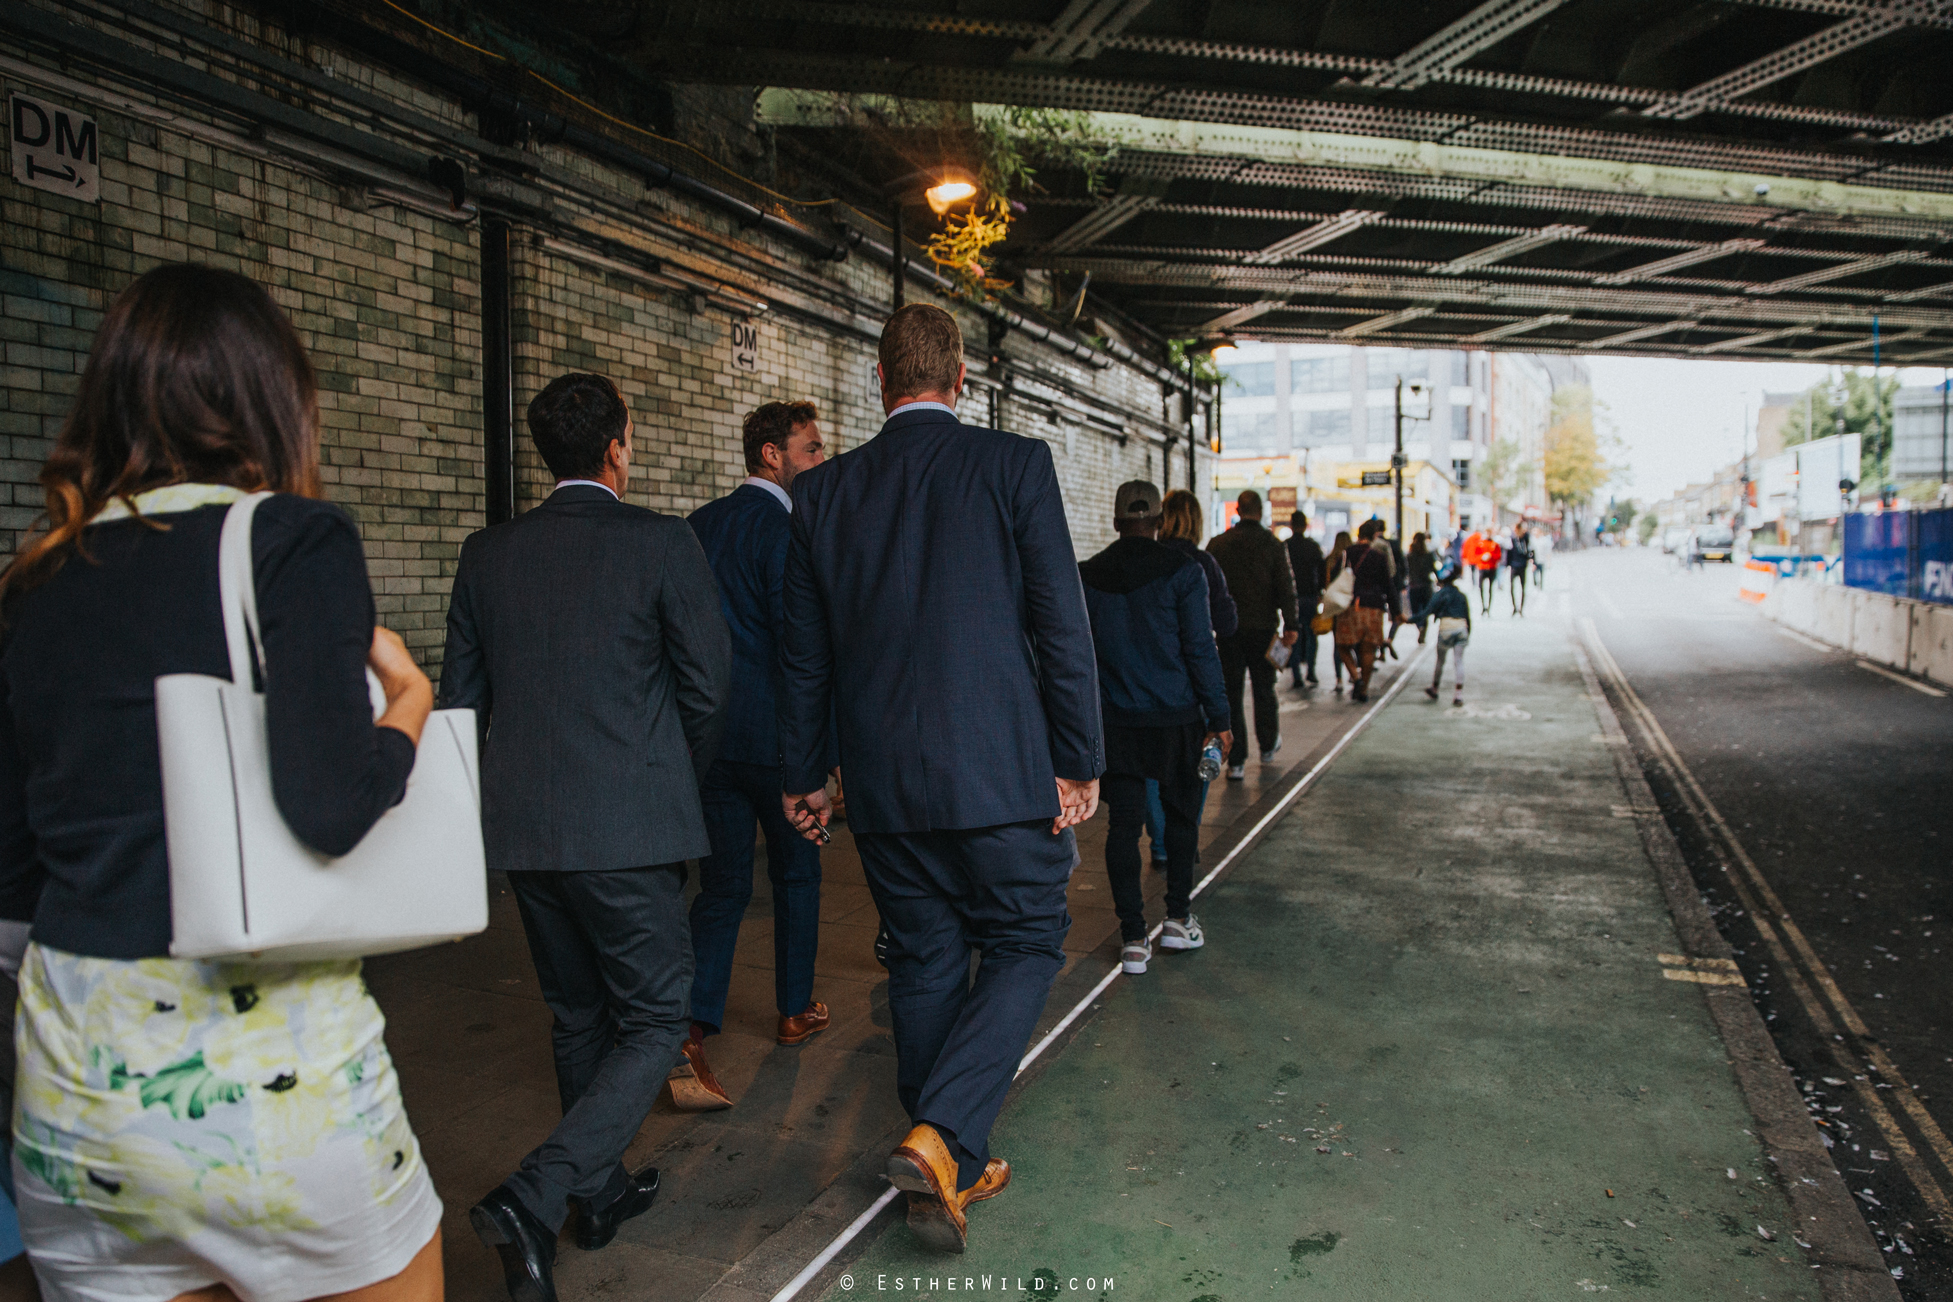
[
  {"x": 613, "y": 955},
  {"x": 1001, "y": 892},
  {"x": 1246, "y": 653},
  {"x": 735, "y": 795}
]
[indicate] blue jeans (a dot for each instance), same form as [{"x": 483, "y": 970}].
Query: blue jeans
[
  {"x": 1156, "y": 818},
  {"x": 734, "y": 796}
]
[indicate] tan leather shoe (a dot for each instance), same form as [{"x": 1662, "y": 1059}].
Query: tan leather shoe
[
  {"x": 921, "y": 1166},
  {"x": 996, "y": 1174},
  {"x": 804, "y": 1026},
  {"x": 693, "y": 1087}
]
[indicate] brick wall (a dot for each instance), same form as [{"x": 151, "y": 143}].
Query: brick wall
[{"x": 388, "y": 302}]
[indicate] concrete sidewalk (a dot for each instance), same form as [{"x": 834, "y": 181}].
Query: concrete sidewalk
[{"x": 1430, "y": 1051}]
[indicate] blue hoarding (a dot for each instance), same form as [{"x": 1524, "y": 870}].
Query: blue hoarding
[{"x": 1901, "y": 553}]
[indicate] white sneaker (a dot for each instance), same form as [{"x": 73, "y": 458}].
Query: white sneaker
[
  {"x": 1237, "y": 772},
  {"x": 1268, "y": 756},
  {"x": 1182, "y": 933},
  {"x": 1133, "y": 957}
]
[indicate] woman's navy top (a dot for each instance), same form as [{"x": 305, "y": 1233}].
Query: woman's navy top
[{"x": 81, "y": 795}]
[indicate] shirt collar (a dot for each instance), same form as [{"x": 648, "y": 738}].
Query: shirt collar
[
  {"x": 922, "y": 406},
  {"x": 760, "y": 481},
  {"x": 586, "y": 483}
]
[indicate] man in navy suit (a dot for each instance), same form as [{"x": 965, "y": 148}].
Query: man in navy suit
[
  {"x": 745, "y": 536},
  {"x": 934, "y": 618}
]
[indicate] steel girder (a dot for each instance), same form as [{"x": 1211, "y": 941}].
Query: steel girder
[
  {"x": 1675, "y": 262},
  {"x": 1526, "y": 326},
  {"x": 1239, "y": 316},
  {"x": 1807, "y": 53},
  {"x": 1386, "y": 321},
  {"x": 1323, "y": 232},
  {"x": 1505, "y": 249},
  {"x": 1081, "y": 31},
  {"x": 1482, "y": 28}
]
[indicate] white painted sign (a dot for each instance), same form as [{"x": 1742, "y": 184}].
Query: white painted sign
[
  {"x": 745, "y": 345},
  {"x": 55, "y": 149}
]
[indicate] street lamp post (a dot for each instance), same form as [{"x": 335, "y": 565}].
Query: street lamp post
[{"x": 1397, "y": 459}]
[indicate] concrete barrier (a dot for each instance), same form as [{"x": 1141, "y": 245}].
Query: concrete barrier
[
  {"x": 1831, "y": 614},
  {"x": 1793, "y": 603},
  {"x": 1931, "y": 652},
  {"x": 1881, "y": 626}
]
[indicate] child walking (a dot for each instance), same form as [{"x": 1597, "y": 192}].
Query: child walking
[{"x": 1453, "y": 612}]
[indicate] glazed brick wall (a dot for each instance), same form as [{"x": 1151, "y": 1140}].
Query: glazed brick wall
[{"x": 387, "y": 301}]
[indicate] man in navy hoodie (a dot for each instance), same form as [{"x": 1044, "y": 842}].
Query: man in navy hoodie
[{"x": 1161, "y": 697}]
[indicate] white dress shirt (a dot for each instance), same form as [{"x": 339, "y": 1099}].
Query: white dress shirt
[
  {"x": 922, "y": 406},
  {"x": 586, "y": 483},
  {"x": 760, "y": 481}
]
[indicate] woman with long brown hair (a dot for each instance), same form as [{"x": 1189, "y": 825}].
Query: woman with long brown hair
[
  {"x": 1342, "y": 652},
  {"x": 208, "y": 1129}
]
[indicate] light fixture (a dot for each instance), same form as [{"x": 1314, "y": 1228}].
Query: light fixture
[
  {"x": 952, "y": 188},
  {"x": 1224, "y": 354}
]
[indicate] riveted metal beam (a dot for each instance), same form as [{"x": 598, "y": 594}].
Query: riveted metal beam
[
  {"x": 1856, "y": 267},
  {"x": 1511, "y": 248},
  {"x": 1313, "y": 237},
  {"x": 1819, "y": 47},
  {"x": 1081, "y": 31},
  {"x": 1751, "y": 341},
  {"x": 1640, "y": 332},
  {"x": 1239, "y": 316},
  {"x": 1384, "y": 322},
  {"x": 1675, "y": 262},
  {"x": 1450, "y": 46},
  {"x": 1922, "y": 133},
  {"x": 1527, "y": 326},
  {"x": 1865, "y": 341}
]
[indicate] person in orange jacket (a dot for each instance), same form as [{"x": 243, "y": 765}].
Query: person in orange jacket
[{"x": 1482, "y": 553}]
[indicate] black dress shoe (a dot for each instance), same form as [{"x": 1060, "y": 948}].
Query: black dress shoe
[
  {"x": 595, "y": 1228},
  {"x": 527, "y": 1248}
]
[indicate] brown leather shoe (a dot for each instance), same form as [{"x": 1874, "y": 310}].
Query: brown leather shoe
[
  {"x": 996, "y": 1174},
  {"x": 804, "y": 1026},
  {"x": 921, "y": 1166},
  {"x": 693, "y": 1087}
]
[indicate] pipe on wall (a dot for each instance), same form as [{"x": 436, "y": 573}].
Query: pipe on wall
[{"x": 497, "y": 371}]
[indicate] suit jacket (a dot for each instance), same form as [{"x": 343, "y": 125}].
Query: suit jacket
[
  {"x": 932, "y": 597},
  {"x": 587, "y": 635},
  {"x": 745, "y": 536}
]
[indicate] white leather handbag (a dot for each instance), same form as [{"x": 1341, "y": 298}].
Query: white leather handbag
[{"x": 241, "y": 884}]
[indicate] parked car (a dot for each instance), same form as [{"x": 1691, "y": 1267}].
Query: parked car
[
  {"x": 1715, "y": 542},
  {"x": 1673, "y": 540}
]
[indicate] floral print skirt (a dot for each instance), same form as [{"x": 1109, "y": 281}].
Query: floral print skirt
[{"x": 180, "y": 1123}]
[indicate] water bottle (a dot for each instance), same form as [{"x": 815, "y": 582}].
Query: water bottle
[{"x": 1210, "y": 762}]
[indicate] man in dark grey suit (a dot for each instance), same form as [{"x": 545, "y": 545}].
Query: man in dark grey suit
[
  {"x": 587, "y": 636},
  {"x": 934, "y": 617}
]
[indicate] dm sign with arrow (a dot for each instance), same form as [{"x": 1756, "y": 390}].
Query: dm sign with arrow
[{"x": 54, "y": 149}]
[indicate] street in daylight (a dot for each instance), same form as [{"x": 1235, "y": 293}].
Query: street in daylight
[{"x": 1101, "y": 649}]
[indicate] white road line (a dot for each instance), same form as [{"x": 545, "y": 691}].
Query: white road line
[
  {"x": 1802, "y": 969},
  {"x": 1795, "y": 636},
  {"x": 1913, "y": 683},
  {"x": 807, "y": 1273}
]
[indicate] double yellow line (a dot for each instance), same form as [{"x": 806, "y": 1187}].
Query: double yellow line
[{"x": 1797, "y": 961}]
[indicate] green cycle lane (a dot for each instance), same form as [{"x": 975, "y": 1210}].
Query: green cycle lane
[{"x": 1427, "y": 1053}]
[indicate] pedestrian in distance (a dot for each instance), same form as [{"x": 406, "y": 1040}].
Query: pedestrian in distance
[
  {"x": 1182, "y": 526},
  {"x": 191, "y": 1127},
  {"x": 1542, "y": 548},
  {"x": 1161, "y": 698},
  {"x": 1359, "y": 630},
  {"x": 745, "y": 535},
  {"x": 1518, "y": 563},
  {"x": 1482, "y": 553},
  {"x": 1453, "y": 612},
  {"x": 587, "y": 635},
  {"x": 1306, "y": 564},
  {"x": 934, "y": 616},
  {"x": 1333, "y": 566},
  {"x": 1258, "y": 576},
  {"x": 1422, "y": 565}
]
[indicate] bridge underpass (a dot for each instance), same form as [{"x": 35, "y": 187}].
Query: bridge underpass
[{"x": 1695, "y": 179}]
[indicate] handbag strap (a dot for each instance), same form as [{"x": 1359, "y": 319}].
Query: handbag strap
[{"x": 237, "y": 589}]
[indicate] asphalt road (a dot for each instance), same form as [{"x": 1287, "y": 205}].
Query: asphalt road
[{"x": 1834, "y": 780}]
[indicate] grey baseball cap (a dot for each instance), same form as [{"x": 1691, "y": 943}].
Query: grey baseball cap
[{"x": 1137, "y": 500}]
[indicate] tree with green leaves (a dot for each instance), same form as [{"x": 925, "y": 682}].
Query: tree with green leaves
[{"x": 1865, "y": 405}]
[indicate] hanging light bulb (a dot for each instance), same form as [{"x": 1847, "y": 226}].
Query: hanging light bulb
[{"x": 952, "y": 188}]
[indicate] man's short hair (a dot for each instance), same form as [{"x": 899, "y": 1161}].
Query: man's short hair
[
  {"x": 1249, "y": 504},
  {"x": 1369, "y": 528},
  {"x": 574, "y": 421},
  {"x": 1298, "y": 521},
  {"x": 921, "y": 351},
  {"x": 774, "y": 423}
]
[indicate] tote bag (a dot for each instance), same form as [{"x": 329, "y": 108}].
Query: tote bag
[
  {"x": 1340, "y": 595},
  {"x": 241, "y": 884}
]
